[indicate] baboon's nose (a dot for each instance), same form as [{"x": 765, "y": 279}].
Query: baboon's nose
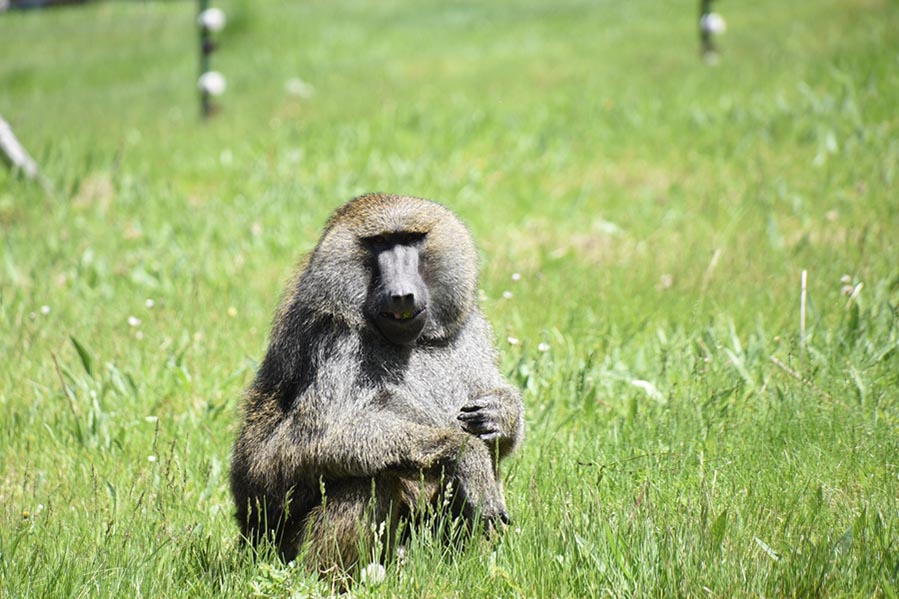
[{"x": 402, "y": 302}]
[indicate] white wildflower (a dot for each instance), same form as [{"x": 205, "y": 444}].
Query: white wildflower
[
  {"x": 516, "y": 276},
  {"x": 151, "y": 458},
  {"x": 299, "y": 88},
  {"x": 607, "y": 227},
  {"x": 212, "y": 82},
  {"x": 45, "y": 310},
  {"x": 134, "y": 321},
  {"x": 845, "y": 279},
  {"x": 512, "y": 340},
  {"x": 373, "y": 574},
  {"x": 650, "y": 389},
  {"x": 507, "y": 294},
  {"x": 149, "y": 303},
  {"x": 543, "y": 347}
]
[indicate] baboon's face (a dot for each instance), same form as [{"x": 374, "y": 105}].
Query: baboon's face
[{"x": 398, "y": 297}]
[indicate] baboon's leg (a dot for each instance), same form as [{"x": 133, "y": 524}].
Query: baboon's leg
[
  {"x": 357, "y": 523},
  {"x": 355, "y": 517},
  {"x": 264, "y": 520}
]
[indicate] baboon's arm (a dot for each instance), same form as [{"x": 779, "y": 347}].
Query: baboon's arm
[
  {"x": 357, "y": 444},
  {"x": 493, "y": 412},
  {"x": 370, "y": 443}
]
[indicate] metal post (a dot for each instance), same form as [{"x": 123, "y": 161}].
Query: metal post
[
  {"x": 711, "y": 25},
  {"x": 206, "y": 48},
  {"x": 706, "y": 39}
]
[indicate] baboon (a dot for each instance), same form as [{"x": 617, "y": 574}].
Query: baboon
[{"x": 379, "y": 390}]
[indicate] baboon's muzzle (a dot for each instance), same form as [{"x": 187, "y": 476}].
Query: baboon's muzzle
[{"x": 402, "y": 296}]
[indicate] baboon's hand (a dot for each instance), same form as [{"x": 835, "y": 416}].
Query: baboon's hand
[
  {"x": 489, "y": 506},
  {"x": 482, "y": 416},
  {"x": 494, "y": 515}
]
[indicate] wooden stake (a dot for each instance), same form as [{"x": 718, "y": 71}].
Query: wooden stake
[
  {"x": 802, "y": 301},
  {"x": 12, "y": 151}
]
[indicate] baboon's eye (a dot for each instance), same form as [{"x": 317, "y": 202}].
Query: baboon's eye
[
  {"x": 381, "y": 242},
  {"x": 377, "y": 242}
]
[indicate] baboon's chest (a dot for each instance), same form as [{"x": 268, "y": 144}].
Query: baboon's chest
[{"x": 435, "y": 387}]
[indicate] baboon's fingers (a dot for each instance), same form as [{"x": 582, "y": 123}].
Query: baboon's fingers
[
  {"x": 471, "y": 417},
  {"x": 482, "y": 402},
  {"x": 479, "y": 425},
  {"x": 481, "y": 422},
  {"x": 484, "y": 414},
  {"x": 481, "y": 428}
]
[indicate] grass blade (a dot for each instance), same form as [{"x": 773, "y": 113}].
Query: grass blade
[{"x": 85, "y": 356}]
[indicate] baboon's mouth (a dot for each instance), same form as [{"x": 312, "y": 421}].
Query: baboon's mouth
[{"x": 401, "y": 316}]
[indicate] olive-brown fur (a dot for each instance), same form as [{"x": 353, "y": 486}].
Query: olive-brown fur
[{"x": 378, "y": 427}]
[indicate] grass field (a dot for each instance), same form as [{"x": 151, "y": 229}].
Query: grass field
[{"x": 683, "y": 438}]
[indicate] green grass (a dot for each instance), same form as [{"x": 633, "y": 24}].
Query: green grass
[{"x": 659, "y": 213}]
